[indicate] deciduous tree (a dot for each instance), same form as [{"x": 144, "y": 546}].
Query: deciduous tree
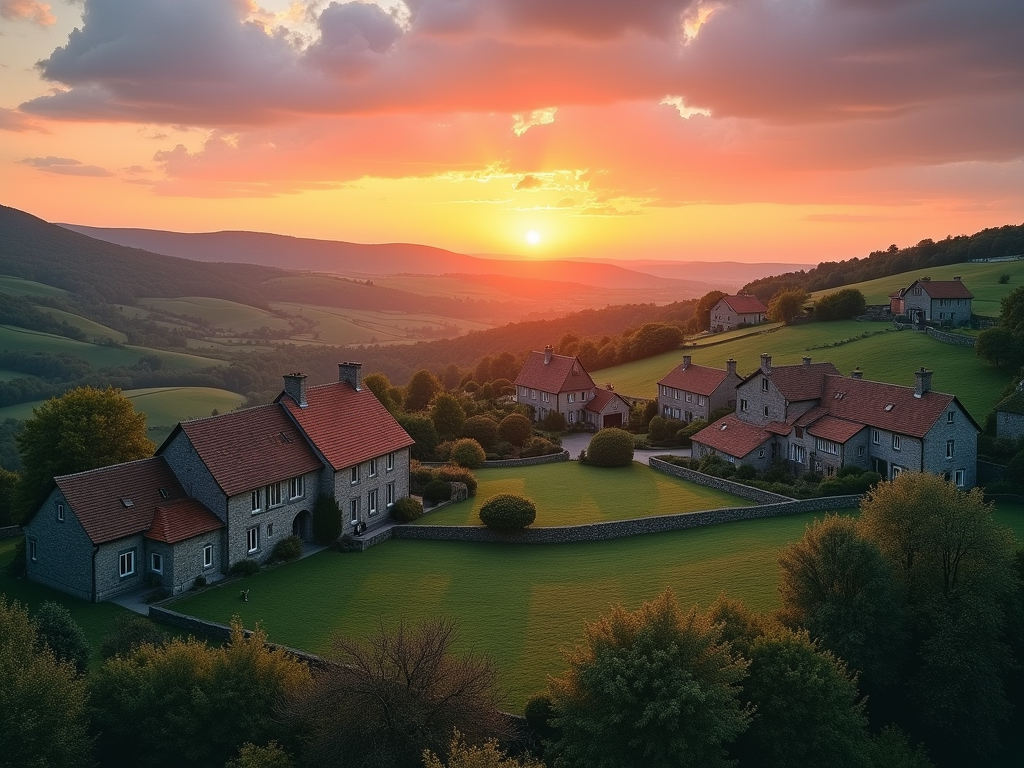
[
  {"x": 421, "y": 389},
  {"x": 462, "y": 755},
  {"x": 785, "y": 305},
  {"x": 61, "y": 634},
  {"x": 448, "y": 415}
]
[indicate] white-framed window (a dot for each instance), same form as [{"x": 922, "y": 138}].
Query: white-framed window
[
  {"x": 252, "y": 539},
  {"x": 583, "y": 397},
  {"x": 689, "y": 397},
  {"x": 274, "y": 495},
  {"x": 371, "y": 502},
  {"x": 270, "y": 530},
  {"x": 60, "y": 513},
  {"x": 389, "y": 462},
  {"x": 572, "y": 417},
  {"x": 353, "y": 509},
  {"x": 533, "y": 394},
  {"x": 766, "y": 410},
  {"x": 826, "y": 446},
  {"x": 896, "y": 471},
  {"x": 255, "y": 501},
  {"x": 701, "y": 400},
  {"x": 896, "y": 443},
  {"x": 664, "y": 391},
  {"x": 764, "y": 385},
  {"x": 876, "y": 438},
  {"x": 208, "y": 556},
  {"x": 960, "y": 478},
  {"x": 390, "y": 494},
  {"x": 860, "y": 451},
  {"x": 156, "y": 562},
  {"x": 126, "y": 563},
  {"x": 354, "y": 475},
  {"x": 297, "y": 487},
  {"x": 373, "y": 467},
  {"x": 760, "y": 453},
  {"x": 950, "y": 448},
  {"x": 545, "y": 397},
  {"x": 949, "y": 417},
  {"x": 33, "y": 550},
  {"x": 570, "y": 397},
  {"x": 743, "y": 404}
]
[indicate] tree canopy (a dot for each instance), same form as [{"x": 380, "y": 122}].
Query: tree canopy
[
  {"x": 841, "y": 305},
  {"x": 785, "y": 305}
]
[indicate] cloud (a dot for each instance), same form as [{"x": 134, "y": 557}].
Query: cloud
[
  {"x": 529, "y": 181},
  {"x": 522, "y": 123},
  {"x": 685, "y": 112},
  {"x": 13, "y": 120},
  {"x": 64, "y": 166},
  {"x": 27, "y": 10}
]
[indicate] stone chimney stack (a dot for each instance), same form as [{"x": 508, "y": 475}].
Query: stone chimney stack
[
  {"x": 807, "y": 361},
  {"x": 766, "y": 362},
  {"x": 548, "y": 350},
  {"x": 957, "y": 278},
  {"x": 351, "y": 373},
  {"x": 295, "y": 388},
  {"x": 730, "y": 367},
  {"x": 686, "y": 361},
  {"x": 923, "y": 382},
  {"x": 857, "y": 373}
]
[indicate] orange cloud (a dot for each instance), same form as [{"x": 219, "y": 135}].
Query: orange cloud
[{"x": 27, "y": 10}]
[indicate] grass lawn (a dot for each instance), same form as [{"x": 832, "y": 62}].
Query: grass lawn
[
  {"x": 891, "y": 356},
  {"x": 219, "y": 313},
  {"x": 570, "y": 493}
]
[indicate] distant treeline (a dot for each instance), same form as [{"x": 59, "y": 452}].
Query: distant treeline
[
  {"x": 18, "y": 311},
  {"x": 987, "y": 244}
]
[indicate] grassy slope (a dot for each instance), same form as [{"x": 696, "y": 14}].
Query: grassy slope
[
  {"x": 570, "y": 493},
  {"x": 163, "y": 406},
  {"x": 218, "y": 313},
  {"x": 892, "y": 356},
  {"x": 17, "y": 286},
  {"x": 91, "y": 328}
]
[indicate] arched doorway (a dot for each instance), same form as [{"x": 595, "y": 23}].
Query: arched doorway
[{"x": 302, "y": 526}]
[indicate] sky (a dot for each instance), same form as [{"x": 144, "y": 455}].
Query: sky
[{"x": 749, "y": 130}]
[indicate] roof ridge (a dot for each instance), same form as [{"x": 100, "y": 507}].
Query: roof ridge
[
  {"x": 107, "y": 466},
  {"x": 198, "y": 419}
]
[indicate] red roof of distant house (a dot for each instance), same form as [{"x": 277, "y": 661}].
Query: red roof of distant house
[
  {"x": 778, "y": 428},
  {"x": 886, "y": 406},
  {"x": 601, "y": 398},
  {"x": 563, "y": 373},
  {"x": 250, "y": 448},
  {"x": 836, "y": 430},
  {"x": 181, "y": 519},
  {"x": 745, "y": 304},
  {"x": 699, "y": 379},
  {"x": 943, "y": 289},
  {"x": 799, "y": 382},
  {"x": 732, "y": 436},
  {"x": 121, "y": 500},
  {"x": 345, "y": 425}
]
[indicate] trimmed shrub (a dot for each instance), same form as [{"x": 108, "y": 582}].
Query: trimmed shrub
[
  {"x": 610, "y": 447},
  {"x": 553, "y": 421},
  {"x": 468, "y": 453},
  {"x": 443, "y": 452},
  {"x": 406, "y": 510},
  {"x": 746, "y": 472},
  {"x": 516, "y": 429},
  {"x": 539, "y": 446},
  {"x": 437, "y": 491},
  {"x": 131, "y": 631},
  {"x": 56, "y": 629},
  {"x": 326, "y": 520},
  {"x": 199, "y": 582},
  {"x": 419, "y": 476},
  {"x": 451, "y": 473},
  {"x": 503, "y": 449},
  {"x": 246, "y": 567},
  {"x": 483, "y": 429},
  {"x": 288, "y": 548},
  {"x": 508, "y": 512}
]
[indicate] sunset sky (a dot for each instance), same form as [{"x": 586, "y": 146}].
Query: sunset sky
[{"x": 754, "y": 130}]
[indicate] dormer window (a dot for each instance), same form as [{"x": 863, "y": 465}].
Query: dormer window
[
  {"x": 839, "y": 395},
  {"x": 889, "y": 406},
  {"x": 128, "y": 503}
]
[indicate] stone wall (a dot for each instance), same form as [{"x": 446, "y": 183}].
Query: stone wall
[
  {"x": 718, "y": 483},
  {"x": 956, "y": 339},
  {"x": 10, "y": 531},
  {"x": 531, "y": 461}
]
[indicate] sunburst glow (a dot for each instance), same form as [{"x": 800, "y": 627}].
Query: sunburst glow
[{"x": 533, "y": 237}]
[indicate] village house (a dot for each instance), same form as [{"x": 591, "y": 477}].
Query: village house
[
  {"x": 550, "y": 382},
  {"x": 735, "y": 311},
  {"x": 220, "y": 490},
  {"x": 692, "y": 391},
  {"x": 817, "y": 420},
  {"x": 1010, "y": 415},
  {"x": 947, "y": 302}
]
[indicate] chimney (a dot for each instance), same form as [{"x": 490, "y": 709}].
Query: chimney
[
  {"x": 686, "y": 361},
  {"x": 807, "y": 361},
  {"x": 295, "y": 388},
  {"x": 766, "y": 363},
  {"x": 730, "y": 367},
  {"x": 547, "y": 354},
  {"x": 957, "y": 278},
  {"x": 350, "y": 373},
  {"x": 857, "y": 373},
  {"x": 923, "y": 382}
]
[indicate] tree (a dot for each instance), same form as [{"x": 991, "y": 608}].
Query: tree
[
  {"x": 10, "y": 509},
  {"x": 653, "y": 687},
  {"x": 461, "y": 755},
  {"x": 56, "y": 630},
  {"x": 1012, "y": 315},
  {"x": 129, "y": 632},
  {"x": 327, "y": 523},
  {"x": 421, "y": 389},
  {"x": 468, "y": 453},
  {"x": 611, "y": 447},
  {"x": 42, "y": 700},
  {"x": 270, "y": 756},
  {"x": 785, "y": 305},
  {"x": 515, "y": 429},
  {"x": 483, "y": 429},
  {"x": 841, "y": 305},
  {"x": 448, "y": 415},
  {"x": 81, "y": 430},
  {"x": 386, "y": 699},
  {"x": 1000, "y": 347},
  {"x": 422, "y": 431},
  {"x": 379, "y": 384},
  {"x": 701, "y": 319}
]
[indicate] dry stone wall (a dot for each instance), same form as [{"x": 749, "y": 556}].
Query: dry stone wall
[{"x": 747, "y": 492}]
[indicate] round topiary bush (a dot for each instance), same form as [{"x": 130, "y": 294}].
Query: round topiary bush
[
  {"x": 436, "y": 491},
  {"x": 288, "y": 548},
  {"x": 539, "y": 446},
  {"x": 467, "y": 453},
  {"x": 516, "y": 429},
  {"x": 483, "y": 429},
  {"x": 406, "y": 510},
  {"x": 508, "y": 512},
  {"x": 611, "y": 447},
  {"x": 451, "y": 473}
]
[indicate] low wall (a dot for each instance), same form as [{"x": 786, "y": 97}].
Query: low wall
[
  {"x": 531, "y": 461},
  {"x": 956, "y": 339},
  {"x": 10, "y": 531},
  {"x": 718, "y": 483},
  {"x": 990, "y": 472}
]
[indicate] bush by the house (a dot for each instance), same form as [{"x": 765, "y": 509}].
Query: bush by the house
[
  {"x": 664, "y": 431},
  {"x": 246, "y": 567},
  {"x": 131, "y": 631},
  {"x": 539, "y": 446},
  {"x": 483, "y": 429},
  {"x": 553, "y": 421},
  {"x": 200, "y": 582},
  {"x": 288, "y": 548},
  {"x": 437, "y": 491},
  {"x": 453, "y": 474},
  {"x": 406, "y": 510},
  {"x": 57, "y": 630},
  {"x": 508, "y": 512},
  {"x": 443, "y": 452},
  {"x": 516, "y": 429},
  {"x": 326, "y": 519},
  {"x": 610, "y": 447},
  {"x": 467, "y": 453},
  {"x": 419, "y": 476}
]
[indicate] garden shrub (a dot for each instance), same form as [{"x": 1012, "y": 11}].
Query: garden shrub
[
  {"x": 504, "y": 449},
  {"x": 516, "y": 429},
  {"x": 443, "y": 451},
  {"x": 467, "y": 453},
  {"x": 419, "y": 476},
  {"x": 483, "y": 429},
  {"x": 610, "y": 447},
  {"x": 746, "y": 472},
  {"x": 437, "y": 491},
  {"x": 539, "y": 446},
  {"x": 326, "y": 519},
  {"x": 131, "y": 631},
  {"x": 406, "y": 510},
  {"x": 200, "y": 582},
  {"x": 246, "y": 567},
  {"x": 288, "y": 548},
  {"x": 451, "y": 473},
  {"x": 508, "y": 512},
  {"x": 56, "y": 629},
  {"x": 553, "y": 421},
  {"x": 656, "y": 428}
]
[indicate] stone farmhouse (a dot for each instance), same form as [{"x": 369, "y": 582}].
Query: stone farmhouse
[
  {"x": 1010, "y": 415},
  {"x": 550, "y": 382},
  {"x": 933, "y": 301},
  {"x": 220, "y": 490},
  {"x": 817, "y": 420},
  {"x": 691, "y": 391},
  {"x": 734, "y": 311}
]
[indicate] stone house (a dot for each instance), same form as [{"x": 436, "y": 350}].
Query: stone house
[
  {"x": 817, "y": 420},
  {"x": 734, "y": 311},
  {"x": 692, "y": 391},
  {"x": 549, "y": 382},
  {"x": 1010, "y": 415},
  {"x": 220, "y": 490},
  {"x": 936, "y": 301}
]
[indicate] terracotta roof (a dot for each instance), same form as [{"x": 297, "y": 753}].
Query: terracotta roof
[
  {"x": 808, "y": 417},
  {"x": 897, "y": 294},
  {"x": 745, "y": 304},
  {"x": 799, "y": 382},
  {"x": 886, "y": 406},
  {"x": 121, "y": 500},
  {"x": 1012, "y": 404},
  {"x": 250, "y": 448},
  {"x": 601, "y": 398},
  {"x": 778, "y": 428},
  {"x": 836, "y": 430},
  {"x": 345, "y": 425},
  {"x": 944, "y": 289},
  {"x": 699, "y": 379},
  {"x": 556, "y": 376},
  {"x": 732, "y": 436},
  {"x": 181, "y": 519}
]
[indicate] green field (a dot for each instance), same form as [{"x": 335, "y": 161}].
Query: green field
[
  {"x": 17, "y": 286},
  {"x": 891, "y": 356},
  {"x": 219, "y": 313},
  {"x": 570, "y": 493},
  {"x": 360, "y": 326},
  {"x": 95, "y": 331}
]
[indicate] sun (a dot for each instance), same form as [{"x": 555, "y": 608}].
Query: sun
[{"x": 533, "y": 237}]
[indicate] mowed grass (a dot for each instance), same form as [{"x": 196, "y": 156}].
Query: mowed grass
[
  {"x": 570, "y": 493},
  {"x": 891, "y": 356},
  {"x": 218, "y": 313}
]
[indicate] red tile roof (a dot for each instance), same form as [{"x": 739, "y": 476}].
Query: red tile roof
[
  {"x": 555, "y": 376},
  {"x": 799, "y": 382},
  {"x": 778, "y": 427},
  {"x": 250, "y": 448},
  {"x": 601, "y": 398},
  {"x": 836, "y": 430},
  {"x": 866, "y": 402},
  {"x": 699, "y": 379},
  {"x": 745, "y": 304},
  {"x": 346, "y": 426},
  {"x": 181, "y": 519},
  {"x": 121, "y": 500},
  {"x": 943, "y": 289},
  {"x": 732, "y": 436}
]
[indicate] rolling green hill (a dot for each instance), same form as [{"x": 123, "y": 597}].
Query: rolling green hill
[{"x": 93, "y": 330}]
